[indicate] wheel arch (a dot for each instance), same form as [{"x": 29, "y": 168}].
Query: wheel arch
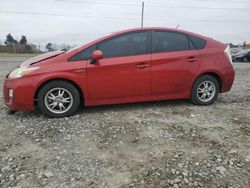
[
  {"x": 213, "y": 74},
  {"x": 60, "y": 79}
]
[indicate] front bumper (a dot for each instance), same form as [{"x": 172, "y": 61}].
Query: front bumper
[
  {"x": 237, "y": 58},
  {"x": 23, "y": 93}
]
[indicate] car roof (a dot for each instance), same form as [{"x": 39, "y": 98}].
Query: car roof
[
  {"x": 138, "y": 29},
  {"x": 153, "y": 28}
]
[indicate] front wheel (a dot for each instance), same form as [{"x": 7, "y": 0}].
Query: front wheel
[
  {"x": 205, "y": 90},
  {"x": 245, "y": 59},
  {"x": 58, "y": 99}
]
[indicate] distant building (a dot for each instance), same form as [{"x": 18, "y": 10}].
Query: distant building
[{"x": 248, "y": 46}]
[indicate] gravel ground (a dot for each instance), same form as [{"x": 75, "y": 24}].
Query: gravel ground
[{"x": 156, "y": 144}]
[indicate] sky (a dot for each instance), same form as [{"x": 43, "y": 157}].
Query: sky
[{"x": 77, "y": 22}]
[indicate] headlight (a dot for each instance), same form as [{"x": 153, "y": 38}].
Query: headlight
[{"x": 22, "y": 71}]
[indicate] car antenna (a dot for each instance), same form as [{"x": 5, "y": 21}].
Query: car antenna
[{"x": 177, "y": 26}]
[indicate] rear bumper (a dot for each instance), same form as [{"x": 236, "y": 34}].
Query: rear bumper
[
  {"x": 228, "y": 79},
  {"x": 23, "y": 94}
]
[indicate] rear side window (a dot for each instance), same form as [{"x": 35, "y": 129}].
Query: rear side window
[
  {"x": 168, "y": 41},
  {"x": 126, "y": 45},
  {"x": 83, "y": 55},
  {"x": 198, "y": 42}
]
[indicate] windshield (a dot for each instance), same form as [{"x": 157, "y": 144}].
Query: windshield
[{"x": 243, "y": 52}]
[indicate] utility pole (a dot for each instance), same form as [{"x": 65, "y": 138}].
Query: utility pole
[
  {"x": 39, "y": 48},
  {"x": 14, "y": 47},
  {"x": 142, "y": 14}
]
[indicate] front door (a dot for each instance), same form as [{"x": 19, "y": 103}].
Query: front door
[{"x": 125, "y": 69}]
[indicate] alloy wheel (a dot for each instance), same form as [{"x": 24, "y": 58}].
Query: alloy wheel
[
  {"x": 58, "y": 100},
  {"x": 206, "y": 91}
]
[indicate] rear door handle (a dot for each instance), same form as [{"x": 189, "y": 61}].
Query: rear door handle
[
  {"x": 192, "y": 59},
  {"x": 142, "y": 66}
]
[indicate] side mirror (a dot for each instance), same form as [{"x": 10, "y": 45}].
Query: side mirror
[{"x": 95, "y": 56}]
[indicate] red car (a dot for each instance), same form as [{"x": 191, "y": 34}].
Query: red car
[{"x": 145, "y": 64}]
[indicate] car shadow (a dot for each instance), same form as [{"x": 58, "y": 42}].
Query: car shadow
[
  {"x": 131, "y": 106},
  {"x": 110, "y": 108}
]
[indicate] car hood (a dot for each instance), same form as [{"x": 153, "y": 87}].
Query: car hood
[{"x": 41, "y": 57}]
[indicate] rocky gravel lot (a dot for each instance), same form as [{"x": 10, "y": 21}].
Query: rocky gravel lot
[{"x": 156, "y": 144}]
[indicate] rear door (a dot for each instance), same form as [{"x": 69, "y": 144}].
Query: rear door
[
  {"x": 174, "y": 62},
  {"x": 125, "y": 69}
]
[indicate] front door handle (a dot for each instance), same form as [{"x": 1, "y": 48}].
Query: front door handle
[
  {"x": 192, "y": 59},
  {"x": 142, "y": 66}
]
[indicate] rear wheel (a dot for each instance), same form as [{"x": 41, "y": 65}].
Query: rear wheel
[
  {"x": 58, "y": 99},
  {"x": 205, "y": 90}
]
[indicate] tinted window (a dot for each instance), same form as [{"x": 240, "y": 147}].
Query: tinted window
[
  {"x": 167, "y": 41},
  {"x": 83, "y": 55},
  {"x": 126, "y": 45},
  {"x": 191, "y": 45},
  {"x": 198, "y": 42}
]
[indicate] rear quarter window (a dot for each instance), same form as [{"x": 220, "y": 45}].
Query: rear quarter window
[{"x": 198, "y": 42}]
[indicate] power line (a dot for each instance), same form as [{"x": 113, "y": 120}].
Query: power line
[
  {"x": 200, "y": 7},
  {"x": 226, "y": 1},
  {"x": 211, "y": 1},
  {"x": 131, "y": 19},
  {"x": 206, "y": 20},
  {"x": 137, "y": 4},
  {"x": 99, "y": 3},
  {"x": 154, "y": 5},
  {"x": 61, "y": 15}
]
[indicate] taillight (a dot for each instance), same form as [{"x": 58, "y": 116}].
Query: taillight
[
  {"x": 10, "y": 94},
  {"x": 228, "y": 53}
]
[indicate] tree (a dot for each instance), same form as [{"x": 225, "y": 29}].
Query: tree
[
  {"x": 244, "y": 44},
  {"x": 233, "y": 45},
  {"x": 10, "y": 40},
  {"x": 49, "y": 47},
  {"x": 23, "y": 40},
  {"x": 64, "y": 47}
]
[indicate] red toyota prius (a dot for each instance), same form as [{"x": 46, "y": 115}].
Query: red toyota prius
[{"x": 145, "y": 64}]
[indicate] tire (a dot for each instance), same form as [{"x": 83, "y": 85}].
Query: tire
[
  {"x": 245, "y": 59},
  {"x": 58, "y": 99},
  {"x": 202, "y": 95}
]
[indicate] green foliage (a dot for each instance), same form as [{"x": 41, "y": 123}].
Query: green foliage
[
  {"x": 49, "y": 47},
  {"x": 23, "y": 40},
  {"x": 13, "y": 46},
  {"x": 10, "y": 40}
]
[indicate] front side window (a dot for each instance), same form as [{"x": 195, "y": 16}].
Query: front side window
[
  {"x": 83, "y": 55},
  {"x": 125, "y": 45},
  {"x": 168, "y": 41}
]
